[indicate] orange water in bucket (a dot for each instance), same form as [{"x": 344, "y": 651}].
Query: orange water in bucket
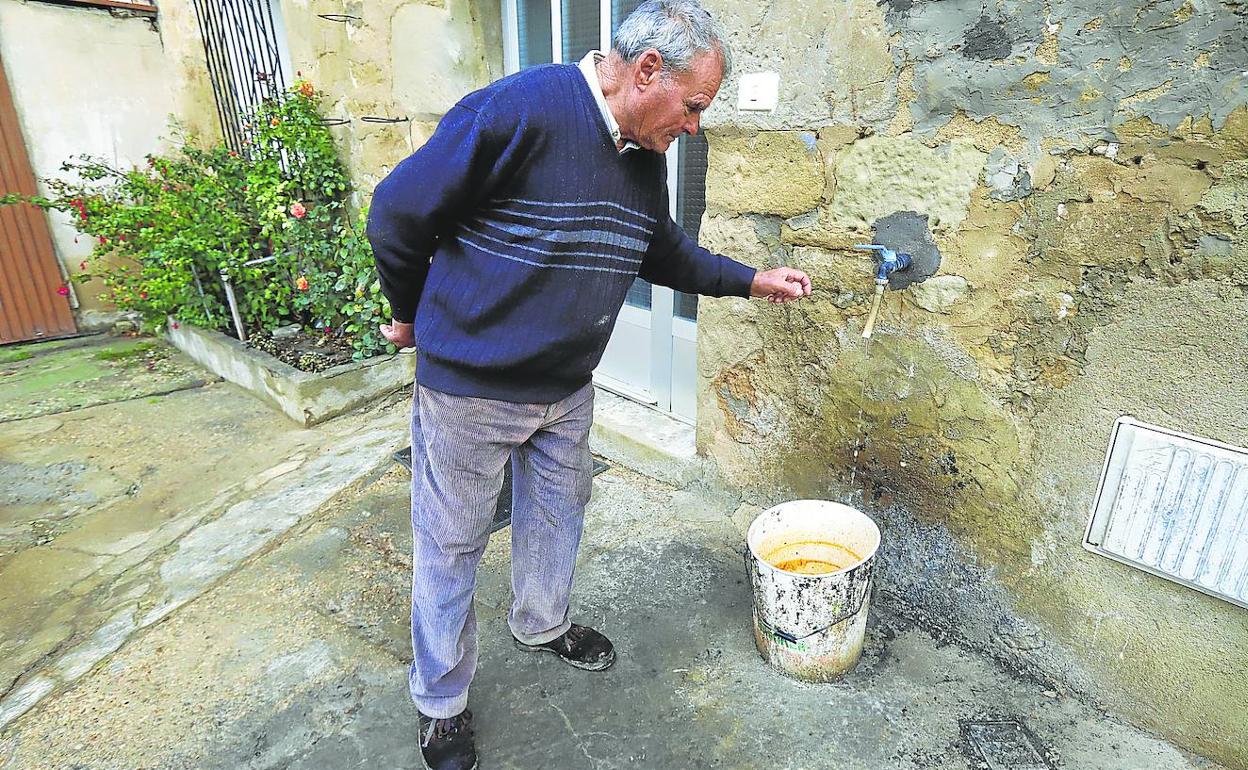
[{"x": 813, "y": 557}]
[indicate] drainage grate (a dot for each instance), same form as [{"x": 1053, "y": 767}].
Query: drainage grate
[
  {"x": 502, "y": 513},
  {"x": 1174, "y": 505},
  {"x": 1004, "y": 744}
]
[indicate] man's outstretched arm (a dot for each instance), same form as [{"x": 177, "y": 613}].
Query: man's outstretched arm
[{"x": 675, "y": 261}]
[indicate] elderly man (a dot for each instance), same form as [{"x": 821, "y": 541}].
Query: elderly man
[{"x": 506, "y": 246}]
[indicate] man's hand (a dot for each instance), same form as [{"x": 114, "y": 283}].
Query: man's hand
[
  {"x": 399, "y": 334},
  {"x": 783, "y": 284}
]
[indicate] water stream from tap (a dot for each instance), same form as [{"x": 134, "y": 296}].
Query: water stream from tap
[
  {"x": 862, "y": 436},
  {"x": 874, "y": 313}
]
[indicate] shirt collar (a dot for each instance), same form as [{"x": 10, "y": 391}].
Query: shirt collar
[{"x": 589, "y": 68}]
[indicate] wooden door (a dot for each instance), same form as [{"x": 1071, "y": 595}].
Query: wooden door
[{"x": 31, "y": 305}]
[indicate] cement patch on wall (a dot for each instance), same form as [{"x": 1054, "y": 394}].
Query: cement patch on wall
[{"x": 1072, "y": 71}]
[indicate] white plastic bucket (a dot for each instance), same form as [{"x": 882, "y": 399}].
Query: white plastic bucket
[{"x": 810, "y": 565}]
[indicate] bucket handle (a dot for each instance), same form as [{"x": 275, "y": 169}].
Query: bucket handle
[{"x": 785, "y": 635}]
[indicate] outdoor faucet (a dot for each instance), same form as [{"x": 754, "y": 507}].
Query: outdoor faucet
[{"x": 890, "y": 262}]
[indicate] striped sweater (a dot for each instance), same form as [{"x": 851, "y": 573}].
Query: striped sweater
[{"x": 513, "y": 234}]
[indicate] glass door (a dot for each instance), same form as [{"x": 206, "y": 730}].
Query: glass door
[{"x": 652, "y": 354}]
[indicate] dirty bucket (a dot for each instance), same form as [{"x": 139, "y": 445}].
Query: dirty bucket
[{"x": 810, "y": 564}]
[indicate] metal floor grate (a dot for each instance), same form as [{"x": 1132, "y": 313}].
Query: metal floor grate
[
  {"x": 1004, "y": 744},
  {"x": 1174, "y": 505},
  {"x": 502, "y": 513}
]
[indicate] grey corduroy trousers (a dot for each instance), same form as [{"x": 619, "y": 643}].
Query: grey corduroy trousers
[{"x": 459, "y": 448}]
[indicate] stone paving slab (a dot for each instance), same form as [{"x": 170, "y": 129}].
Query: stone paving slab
[
  {"x": 51, "y": 377},
  {"x": 114, "y": 515}
]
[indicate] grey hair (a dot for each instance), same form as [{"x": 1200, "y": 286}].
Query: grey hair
[{"x": 680, "y": 30}]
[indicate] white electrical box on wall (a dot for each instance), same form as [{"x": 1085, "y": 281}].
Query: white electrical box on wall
[
  {"x": 1175, "y": 505},
  {"x": 758, "y": 92}
]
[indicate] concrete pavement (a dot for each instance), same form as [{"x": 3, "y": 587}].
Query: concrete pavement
[{"x": 213, "y": 587}]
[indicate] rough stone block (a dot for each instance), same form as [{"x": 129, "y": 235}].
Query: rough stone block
[
  {"x": 815, "y": 228},
  {"x": 1168, "y": 181},
  {"x": 984, "y": 133},
  {"x": 939, "y": 293},
  {"x": 1233, "y": 135},
  {"x": 1108, "y": 234},
  {"x": 832, "y": 139},
  {"x": 1043, "y": 171},
  {"x": 1230, "y": 195},
  {"x": 727, "y": 334},
  {"x": 735, "y": 237},
  {"x": 773, "y": 172},
  {"x": 987, "y": 251},
  {"x": 838, "y": 271},
  {"x": 878, "y": 176}
]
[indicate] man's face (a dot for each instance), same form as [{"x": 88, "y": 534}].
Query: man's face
[{"x": 671, "y": 104}]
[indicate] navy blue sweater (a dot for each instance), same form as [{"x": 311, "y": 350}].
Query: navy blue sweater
[{"x": 513, "y": 234}]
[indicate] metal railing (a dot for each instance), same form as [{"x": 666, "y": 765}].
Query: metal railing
[{"x": 244, "y": 62}]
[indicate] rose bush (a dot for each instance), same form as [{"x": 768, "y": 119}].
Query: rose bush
[{"x": 271, "y": 219}]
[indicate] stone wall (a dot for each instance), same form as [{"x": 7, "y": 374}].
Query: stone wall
[
  {"x": 396, "y": 59},
  {"x": 84, "y": 81},
  {"x": 401, "y": 59},
  {"x": 1084, "y": 174}
]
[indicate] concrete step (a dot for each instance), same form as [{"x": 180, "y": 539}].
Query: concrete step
[{"x": 644, "y": 439}]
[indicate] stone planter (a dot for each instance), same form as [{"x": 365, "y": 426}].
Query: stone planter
[{"x": 304, "y": 397}]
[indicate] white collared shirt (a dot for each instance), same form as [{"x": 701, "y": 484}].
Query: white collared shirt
[{"x": 589, "y": 69}]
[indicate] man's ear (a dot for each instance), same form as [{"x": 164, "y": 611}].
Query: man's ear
[{"x": 649, "y": 68}]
